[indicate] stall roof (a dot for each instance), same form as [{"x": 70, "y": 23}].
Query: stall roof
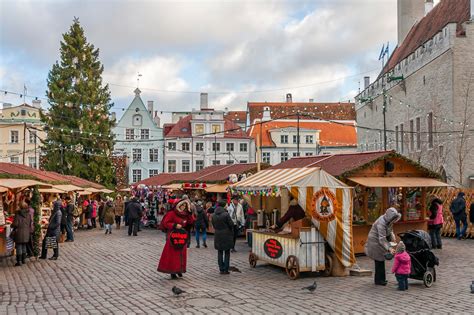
[
  {"x": 398, "y": 182},
  {"x": 12, "y": 183},
  {"x": 106, "y": 191},
  {"x": 3, "y": 189},
  {"x": 69, "y": 187},
  {"x": 218, "y": 188},
  {"x": 273, "y": 178},
  {"x": 53, "y": 190},
  {"x": 172, "y": 186}
]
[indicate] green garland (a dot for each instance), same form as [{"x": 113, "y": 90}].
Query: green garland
[{"x": 35, "y": 203}]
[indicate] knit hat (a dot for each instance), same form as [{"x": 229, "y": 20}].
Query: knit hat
[{"x": 400, "y": 247}]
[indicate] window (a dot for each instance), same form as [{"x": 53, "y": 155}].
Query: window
[
  {"x": 229, "y": 147},
  {"x": 309, "y": 139},
  {"x": 430, "y": 130},
  {"x": 145, "y": 134},
  {"x": 136, "y": 175},
  {"x": 418, "y": 133},
  {"x": 412, "y": 135},
  {"x": 154, "y": 155},
  {"x": 295, "y": 139},
  {"x": 229, "y": 162},
  {"x": 171, "y": 146},
  {"x": 295, "y": 154},
  {"x": 402, "y": 139},
  {"x": 284, "y": 156},
  {"x": 185, "y": 146},
  {"x": 14, "y": 138},
  {"x": 15, "y": 159},
  {"x": 137, "y": 155},
  {"x": 216, "y": 162},
  {"x": 199, "y": 146},
  {"x": 243, "y": 161},
  {"x": 266, "y": 157},
  {"x": 308, "y": 154},
  {"x": 243, "y": 147},
  {"x": 216, "y": 128},
  {"x": 199, "y": 129},
  {"x": 216, "y": 147},
  {"x": 152, "y": 173},
  {"x": 284, "y": 138},
  {"x": 129, "y": 134},
  {"x": 441, "y": 151},
  {"x": 185, "y": 166},
  {"x": 137, "y": 120},
  {"x": 32, "y": 138},
  {"x": 171, "y": 166},
  {"x": 32, "y": 161},
  {"x": 199, "y": 165},
  {"x": 396, "y": 139}
]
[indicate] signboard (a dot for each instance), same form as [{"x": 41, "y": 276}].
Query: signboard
[
  {"x": 273, "y": 248},
  {"x": 178, "y": 238}
]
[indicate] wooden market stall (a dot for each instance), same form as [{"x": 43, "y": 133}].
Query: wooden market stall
[
  {"x": 316, "y": 243},
  {"x": 379, "y": 179}
]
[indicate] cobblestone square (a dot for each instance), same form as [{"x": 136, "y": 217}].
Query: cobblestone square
[{"x": 116, "y": 274}]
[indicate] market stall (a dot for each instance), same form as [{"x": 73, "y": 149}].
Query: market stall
[{"x": 313, "y": 243}]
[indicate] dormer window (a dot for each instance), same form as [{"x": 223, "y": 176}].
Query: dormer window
[
  {"x": 137, "y": 120},
  {"x": 23, "y": 112}
]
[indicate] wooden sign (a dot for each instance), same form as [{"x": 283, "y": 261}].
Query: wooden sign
[
  {"x": 273, "y": 248},
  {"x": 178, "y": 238}
]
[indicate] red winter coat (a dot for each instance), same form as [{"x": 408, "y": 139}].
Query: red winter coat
[{"x": 173, "y": 260}]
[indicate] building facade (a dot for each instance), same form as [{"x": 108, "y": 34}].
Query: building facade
[
  {"x": 204, "y": 138},
  {"x": 139, "y": 140},
  {"x": 427, "y": 91},
  {"x": 21, "y": 132},
  {"x": 279, "y": 140}
]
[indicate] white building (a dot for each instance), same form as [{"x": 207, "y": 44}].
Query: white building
[
  {"x": 139, "y": 137},
  {"x": 205, "y": 138}
]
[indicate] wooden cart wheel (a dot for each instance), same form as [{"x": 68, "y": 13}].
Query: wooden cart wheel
[
  {"x": 329, "y": 265},
  {"x": 292, "y": 267},
  {"x": 253, "y": 260}
]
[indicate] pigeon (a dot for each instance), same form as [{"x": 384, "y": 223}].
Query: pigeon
[
  {"x": 177, "y": 291},
  {"x": 234, "y": 269},
  {"x": 311, "y": 288}
]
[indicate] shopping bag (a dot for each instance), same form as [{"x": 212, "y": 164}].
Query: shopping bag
[
  {"x": 62, "y": 238},
  {"x": 51, "y": 242}
]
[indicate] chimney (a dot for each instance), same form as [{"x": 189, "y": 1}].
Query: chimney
[
  {"x": 311, "y": 100},
  {"x": 113, "y": 116},
  {"x": 156, "y": 119},
  {"x": 428, "y": 6},
  {"x": 266, "y": 114},
  {"x": 150, "y": 107},
  {"x": 204, "y": 104},
  {"x": 289, "y": 98},
  {"x": 366, "y": 82},
  {"x": 409, "y": 12},
  {"x": 36, "y": 103}
]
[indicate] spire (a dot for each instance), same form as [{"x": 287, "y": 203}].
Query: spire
[{"x": 137, "y": 92}]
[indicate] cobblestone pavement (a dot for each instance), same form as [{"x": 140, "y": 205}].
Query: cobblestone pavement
[{"x": 117, "y": 274}]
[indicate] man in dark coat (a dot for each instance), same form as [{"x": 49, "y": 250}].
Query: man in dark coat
[
  {"x": 201, "y": 224},
  {"x": 54, "y": 229},
  {"x": 223, "y": 236},
  {"x": 458, "y": 209},
  {"x": 69, "y": 220},
  {"x": 134, "y": 212},
  {"x": 22, "y": 227}
]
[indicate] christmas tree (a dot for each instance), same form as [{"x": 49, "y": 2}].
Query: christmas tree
[{"x": 79, "y": 140}]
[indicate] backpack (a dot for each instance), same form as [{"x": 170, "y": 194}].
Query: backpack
[{"x": 77, "y": 211}]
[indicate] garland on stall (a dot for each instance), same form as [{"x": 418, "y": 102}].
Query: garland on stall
[{"x": 35, "y": 203}]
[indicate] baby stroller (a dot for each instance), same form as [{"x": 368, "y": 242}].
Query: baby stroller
[{"x": 423, "y": 261}]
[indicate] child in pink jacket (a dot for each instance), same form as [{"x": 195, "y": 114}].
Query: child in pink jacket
[{"x": 401, "y": 266}]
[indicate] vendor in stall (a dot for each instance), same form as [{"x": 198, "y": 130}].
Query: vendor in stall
[{"x": 294, "y": 212}]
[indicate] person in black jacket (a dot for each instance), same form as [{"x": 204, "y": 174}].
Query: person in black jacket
[
  {"x": 201, "y": 224},
  {"x": 134, "y": 213},
  {"x": 223, "y": 236},
  {"x": 22, "y": 230},
  {"x": 69, "y": 219},
  {"x": 54, "y": 229},
  {"x": 458, "y": 209},
  {"x": 471, "y": 213}
]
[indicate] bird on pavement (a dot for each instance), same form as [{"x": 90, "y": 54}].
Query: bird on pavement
[
  {"x": 311, "y": 288},
  {"x": 177, "y": 291},
  {"x": 234, "y": 269}
]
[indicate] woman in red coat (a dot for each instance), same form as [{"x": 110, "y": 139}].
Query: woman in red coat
[{"x": 173, "y": 258}]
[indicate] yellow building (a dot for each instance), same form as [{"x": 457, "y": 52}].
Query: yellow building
[{"x": 17, "y": 124}]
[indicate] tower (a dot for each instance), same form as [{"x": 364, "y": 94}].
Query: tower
[{"x": 409, "y": 12}]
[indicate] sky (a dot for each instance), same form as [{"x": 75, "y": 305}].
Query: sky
[{"x": 237, "y": 51}]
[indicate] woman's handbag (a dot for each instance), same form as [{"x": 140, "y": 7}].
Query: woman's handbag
[{"x": 51, "y": 242}]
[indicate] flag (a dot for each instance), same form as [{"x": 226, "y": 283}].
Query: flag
[
  {"x": 382, "y": 52},
  {"x": 386, "y": 50}
]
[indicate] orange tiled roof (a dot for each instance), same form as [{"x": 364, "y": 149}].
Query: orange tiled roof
[
  {"x": 332, "y": 133},
  {"x": 238, "y": 116}
]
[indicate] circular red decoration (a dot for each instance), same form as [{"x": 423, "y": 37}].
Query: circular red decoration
[{"x": 273, "y": 248}]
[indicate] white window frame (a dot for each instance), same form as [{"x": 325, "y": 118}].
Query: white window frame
[
  {"x": 129, "y": 134},
  {"x": 284, "y": 139},
  {"x": 199, "y": 146},
  {"x": 144, "y": 134},
  {"x": 172, "y": 166},
  {"x": 245, "y": 146},
  {"x": 185, "y": 166},
  {"x": 229, "y": 147},
  {"x": 136, "y": 175},
  {"x": 216, "y": 147},
  {"x": 310, "y": 138},
  {"x": 153, "y": 172},
  {"x": 14, "y": 136},
  {"x": 15, "y": 159},
  {"x": 32, "y": 137},
  {"x": 266, "y": 156},
  {"x": 171, "y": 146},
  {"x": 185, "y": 146},
  {"x": 284, "y": 156},
  {"x": 154, "y": 155},
  {"x": 136, "y": 154},
  {"x": 30, "y": 164},
  {"x": 199, "y": 165}
]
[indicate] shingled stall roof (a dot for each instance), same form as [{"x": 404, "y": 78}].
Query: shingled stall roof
[
  {"x": 445, "y": 12},
  {"x": 23, "y": 171},
  {"x": 331, "y": 134},
  {"x": 183, "y": 129},
  {"x": 285, "y": 110},
  {"x": 344, "y": 165}
]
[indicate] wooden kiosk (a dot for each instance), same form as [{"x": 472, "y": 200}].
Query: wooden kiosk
[{"x": 316, "y": 243}]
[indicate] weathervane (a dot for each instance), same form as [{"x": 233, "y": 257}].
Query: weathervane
[{"x": 138, "y": 79}]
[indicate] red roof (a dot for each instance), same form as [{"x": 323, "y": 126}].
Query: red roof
[
  {"x": 183, "y": 129},
  {"x": 445, "y": 12},
  {"x": 334, "y": 164},
  {"x": 238, "y": 116},
  {"x": 45, "y": 176},
  {"x": 332, "y": 133},
  {"x": 323, "y": 111},
  {"x": 161, "y": 179}
]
